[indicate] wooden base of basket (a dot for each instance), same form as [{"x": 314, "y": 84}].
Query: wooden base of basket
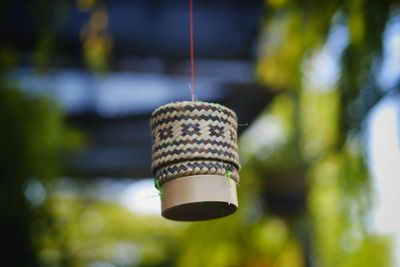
[{"x": 198, "y": 197}]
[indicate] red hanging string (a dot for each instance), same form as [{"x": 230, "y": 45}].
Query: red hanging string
[{"x": 191, "y": 50}]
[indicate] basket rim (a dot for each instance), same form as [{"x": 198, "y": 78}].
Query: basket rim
[{"x": 194, "y": 103}]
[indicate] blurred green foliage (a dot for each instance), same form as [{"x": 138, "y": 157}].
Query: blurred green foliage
[
  {"x": 30, "y": 141},
  {"x": 89, "y": 231},
  {"x": 327, "y": 122}
]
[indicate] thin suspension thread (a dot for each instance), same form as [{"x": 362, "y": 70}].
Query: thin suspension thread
[{"x": 191, "y": 49}]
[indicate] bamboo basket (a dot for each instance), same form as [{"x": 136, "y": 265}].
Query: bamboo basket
[{"x": 195, "y": 160}]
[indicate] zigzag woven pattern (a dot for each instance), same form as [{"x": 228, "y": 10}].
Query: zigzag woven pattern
[
  {"x": 194, "y": 138},
  {"x": 189, "y": 168}
]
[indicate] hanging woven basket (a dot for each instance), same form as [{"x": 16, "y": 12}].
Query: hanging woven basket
[{"x": 195, "y": 160}]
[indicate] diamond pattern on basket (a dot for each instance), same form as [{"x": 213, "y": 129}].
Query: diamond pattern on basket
[
  {"x": 194, "y": 138},
  {"x": 190, "y": 129},
  {"x": 166, "y": 133},
  {"x": 216, "y": 130}
]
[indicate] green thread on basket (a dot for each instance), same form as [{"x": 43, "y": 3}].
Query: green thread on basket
[
  {"x": 158, "y": 186},
  {"x": 228, "y": 176}
]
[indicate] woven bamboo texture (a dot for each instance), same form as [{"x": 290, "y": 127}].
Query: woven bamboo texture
[{"x": 194, "y": 138}]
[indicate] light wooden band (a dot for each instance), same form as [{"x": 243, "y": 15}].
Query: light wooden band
[{"x": 199, "y": 188}]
